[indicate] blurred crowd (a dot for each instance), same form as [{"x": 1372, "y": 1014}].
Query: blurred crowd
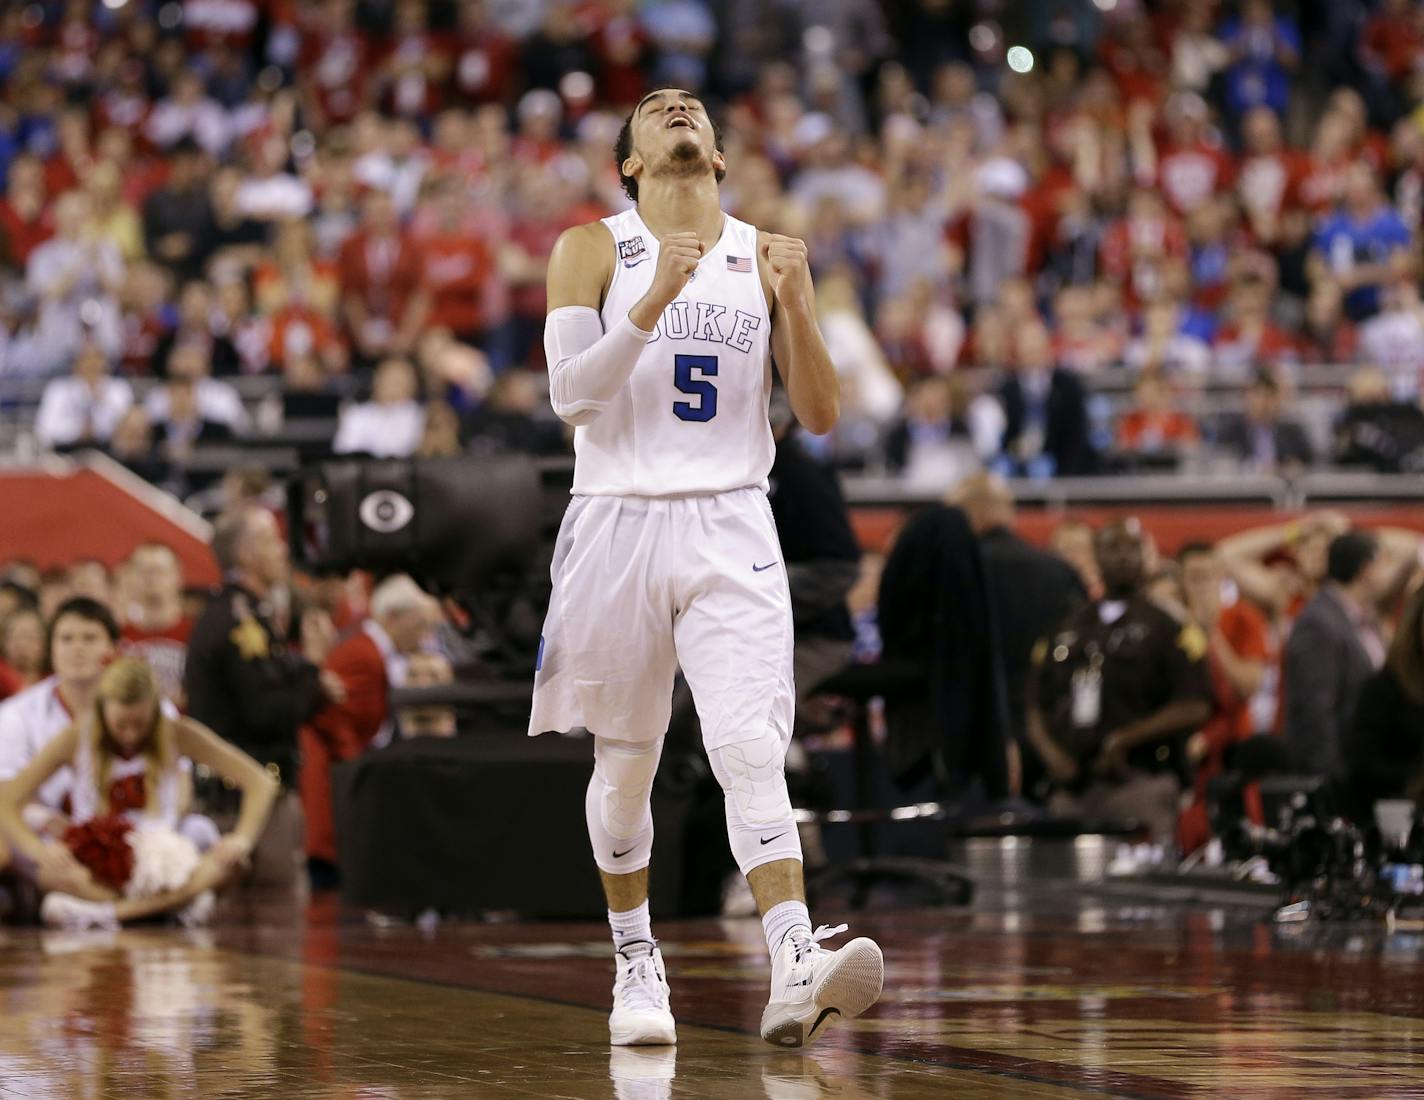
[{"x": 1006, "y": 209}]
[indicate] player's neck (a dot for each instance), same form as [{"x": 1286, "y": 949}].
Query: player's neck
[{"x": 681, "y": 205}]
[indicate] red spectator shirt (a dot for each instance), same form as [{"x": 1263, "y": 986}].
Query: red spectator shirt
[
  {"x": 165, "y": 650},
  {"x": 1249, "y": 635},
  {"x": 484, "y": 67},
  {"x": 1395, "y": 43},
  {"x": 382, "y": 271},
  {"x": 1322, "y": 183},
  {"x": 1140, "y": 430},
  {"x": 1189, "y": 175},
  {"x": 410, "y": 93},
  {"x": 21, "y": 237},
  {"x": 622, "y": 47},
  {"x": 338, "y": 67},
  {"x": 456, "y": 267}
]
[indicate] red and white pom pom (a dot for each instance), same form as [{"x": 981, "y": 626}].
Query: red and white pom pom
[{"x": 163, "y": 861}]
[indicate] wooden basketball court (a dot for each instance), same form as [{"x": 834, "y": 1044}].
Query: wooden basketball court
[{"x": 1043, "y": 992}]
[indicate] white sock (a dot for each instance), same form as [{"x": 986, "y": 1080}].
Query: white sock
[
  {"x": 631, "y": 930},
  {"x": 783, "y": 919}
]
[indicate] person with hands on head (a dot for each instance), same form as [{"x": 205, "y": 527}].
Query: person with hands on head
[
  {"x": 127, "y": 758},
  {"x": 665, "y": 322},
  {"x": 1116, "y": 691}
]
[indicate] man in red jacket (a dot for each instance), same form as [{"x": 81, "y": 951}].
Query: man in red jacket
[{"x": 369, "y": 661}]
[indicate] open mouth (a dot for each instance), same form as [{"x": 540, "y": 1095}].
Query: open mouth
[{"x": 679, "y": 120}]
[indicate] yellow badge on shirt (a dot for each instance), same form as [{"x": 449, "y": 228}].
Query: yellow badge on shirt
[
  {"x": 1192, "y": 641},
  {"x": 1040, "y": 651},
  {"x": 250, "y": 639}
]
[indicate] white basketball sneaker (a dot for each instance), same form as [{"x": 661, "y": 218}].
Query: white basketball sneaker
[
  {"x": 812, "y": 987},
  {"x": 641, "y": 1016}
]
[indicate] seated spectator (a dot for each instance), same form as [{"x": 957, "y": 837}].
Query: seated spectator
[
  {"x": 1165, "y": 348},
  {"x": 457, "y": 266},
  {"x": 1250, "y": 338},
  {"x": 184, "y": 427},
  {"x": 945, "y": 433},
  {"x": 75, "y": 277},
  {"x": 155, "y": 627},
  {"x": 195, "y": 328},
  {"x": 84, "y": 408},
  {"x": 1376, "y": 431},
  {"x": 1262, "y": 438},
  {"x": 869, "y": 389},
  {"x": 1360, "y": 246},
  {"x": 187, "y": 112},
  {"x": 440, "y": 438},
  {"x": 390, "y": 424},
  {"x": 1118, "y": 688},
  {"x": 91, "y": 578},
  {"x": 1045, "y": 412},
  {"x": 24, "y": 220},
  {"x": 1154, "y": 430},
  {"x": 508, "y": 421},
  {"x": 383, "y": 304},
  {"x": 1393, "y": 339},
  {"x": 193, "y": 399},
  {"x": 22, "y": 645},
  {"x": 1384, "y": 753},
  {"x": 427, "y": 669},
  {"x": 1328, "y": 337},
  {"x": 1081, "y": 342},
  {"x": 129, "y": 758},
  {"x": 132, "y": 446},
  {"x": 176, "y": 215},
  {"x": 369, "y": 662},
  {"x": 1336, "y": 644}
]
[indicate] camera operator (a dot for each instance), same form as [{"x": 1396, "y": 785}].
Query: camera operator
[{"x": 1117, "y": 689}]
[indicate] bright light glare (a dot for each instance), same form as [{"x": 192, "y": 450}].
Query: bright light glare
[{"x": 1020, "y": 59}]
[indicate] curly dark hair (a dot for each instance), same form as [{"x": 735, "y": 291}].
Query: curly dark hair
[{"x": 623, "y": 147}]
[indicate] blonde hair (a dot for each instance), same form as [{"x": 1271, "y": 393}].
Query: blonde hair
[{"x": 127, "y": 681}]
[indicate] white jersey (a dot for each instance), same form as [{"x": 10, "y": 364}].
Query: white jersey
[{"x": 692, "y": 417}]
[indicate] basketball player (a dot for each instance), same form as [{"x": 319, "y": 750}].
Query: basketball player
[{"x": 663, "y": 323}]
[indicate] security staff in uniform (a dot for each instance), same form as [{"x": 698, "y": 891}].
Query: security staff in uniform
[
  {"x": 243, "y": 681},
  {"x": 1117, "y": 690}
]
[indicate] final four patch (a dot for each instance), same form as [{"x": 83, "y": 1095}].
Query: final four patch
[{"x": 632, "y": 252}]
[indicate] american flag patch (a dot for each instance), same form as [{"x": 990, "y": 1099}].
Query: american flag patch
[{"x": 739, "y": 263}]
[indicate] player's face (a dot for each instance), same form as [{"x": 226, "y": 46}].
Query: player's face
[{"x": 671, "y": 128}]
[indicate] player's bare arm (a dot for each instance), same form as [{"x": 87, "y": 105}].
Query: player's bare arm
[{"x": 797, "y": 348}]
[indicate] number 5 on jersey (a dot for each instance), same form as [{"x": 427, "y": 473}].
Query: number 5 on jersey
[{"x": 699, "y": 387}]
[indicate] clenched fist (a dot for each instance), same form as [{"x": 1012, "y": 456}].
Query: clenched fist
[
  {"x": 678, "y": 254},
  {"x": 790, "y": 270}
]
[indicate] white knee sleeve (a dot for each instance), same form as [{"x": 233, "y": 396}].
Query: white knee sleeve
[
  {"x": 619, "y": 803},
  {"x": 760, "y": 825}
]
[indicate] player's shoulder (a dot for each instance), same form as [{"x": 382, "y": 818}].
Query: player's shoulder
[{"x": 587, "y": 237}]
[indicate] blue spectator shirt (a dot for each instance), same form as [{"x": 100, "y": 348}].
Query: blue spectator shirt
[
  {"x": 1346, "y": 242},
  {"x": 1258, "y": 78}
]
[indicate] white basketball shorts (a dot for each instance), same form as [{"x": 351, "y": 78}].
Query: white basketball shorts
[{"x": 645, "y": 584}]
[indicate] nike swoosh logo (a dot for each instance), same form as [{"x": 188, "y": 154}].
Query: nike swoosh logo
[
  {"x": 769, "y": 839},
  {"x": 762, "y": 568},
  {"x": 620, "y": 855}
]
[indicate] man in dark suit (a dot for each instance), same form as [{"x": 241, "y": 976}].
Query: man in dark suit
[
  {"x": 1030, "y": 592},
  {"x": 1334, "y": 647},
  {"x": 1261, "y": 438},
  {"x": 1045, "y": 412}
]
